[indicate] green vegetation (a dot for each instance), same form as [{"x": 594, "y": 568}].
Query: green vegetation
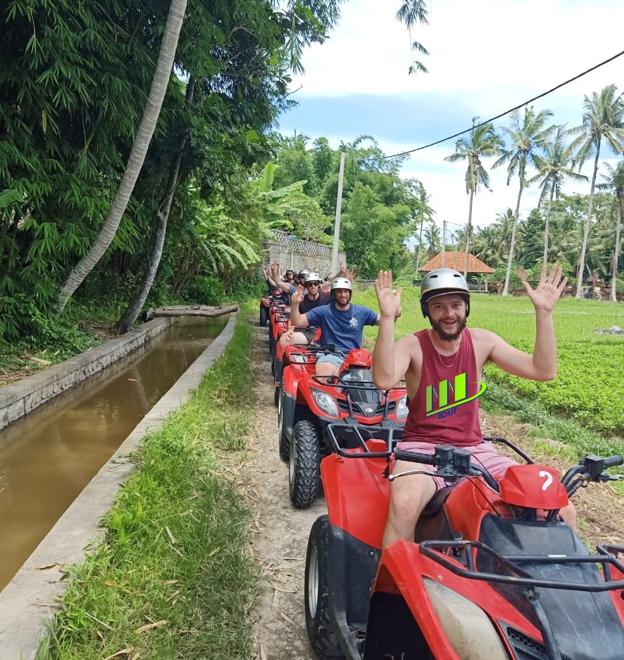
[
  {"x": 173, "y": 577},
  {"x": 589, "y": 387}
]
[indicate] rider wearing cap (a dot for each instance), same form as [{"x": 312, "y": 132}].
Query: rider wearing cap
[
  {"x": 341, "y": 322},
  {"x": 442, "y": 368},
  {"x": 313, "y": 298}
]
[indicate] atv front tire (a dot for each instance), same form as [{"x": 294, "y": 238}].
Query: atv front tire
[
  {"x": 284, "y": 443},
  {"x": 317, "y": 590},
  {"x": 303, "y": 464},
  {"x": 264, "y": 316}
]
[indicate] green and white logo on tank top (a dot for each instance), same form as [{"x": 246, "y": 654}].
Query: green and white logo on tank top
[{"x": 449, "y": 396}]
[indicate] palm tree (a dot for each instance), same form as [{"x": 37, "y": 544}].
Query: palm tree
[
  {"x": 424, "y": 212},
  {"x": 527, "y": 135},
  {"x": 482, "y": 143},
  {"x": 614, "y": 181},
  {"x": 603, "y": 120},
  {"x": 553, "y": 167},
  {"x": 141, "y": 143}
]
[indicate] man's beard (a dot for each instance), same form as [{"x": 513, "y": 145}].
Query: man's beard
[{"x": 445, "y": 335}]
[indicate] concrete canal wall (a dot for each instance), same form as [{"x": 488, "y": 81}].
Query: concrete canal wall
[{"x": 29, "y": 393}]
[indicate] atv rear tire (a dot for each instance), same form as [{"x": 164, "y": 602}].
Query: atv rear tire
[
  {"x": 303, "y": 464},
  {"x": 264, "y": 316},
  {"x": 284, "y": 443},
  {"x": 317, "y": 590}
]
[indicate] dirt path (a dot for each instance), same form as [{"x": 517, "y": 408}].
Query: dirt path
[{"x": 281, "y": 532}]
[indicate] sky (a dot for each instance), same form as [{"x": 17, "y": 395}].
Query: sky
[{"x": 485, "y": 57}]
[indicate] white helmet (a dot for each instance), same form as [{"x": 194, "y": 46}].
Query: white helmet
[
  {"x": 341, "y": 283},
  {"x": 441, "y": 281},
  {"x": 312, "y": 277}
]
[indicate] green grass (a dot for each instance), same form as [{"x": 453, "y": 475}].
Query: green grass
[
  {"x": 589, "y": 387},
  {"x": 176, "y": 543}
]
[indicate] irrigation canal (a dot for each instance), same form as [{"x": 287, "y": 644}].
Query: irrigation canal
[{"x": 48, "y": 457}]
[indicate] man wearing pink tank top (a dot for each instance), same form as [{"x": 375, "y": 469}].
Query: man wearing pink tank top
[{"x": 442, "y": 370}]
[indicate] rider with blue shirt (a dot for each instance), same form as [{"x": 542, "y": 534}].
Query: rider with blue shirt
[{"x": 341, "y": 323}]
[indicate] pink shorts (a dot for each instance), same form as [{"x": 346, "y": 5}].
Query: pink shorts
[{"x": 483, "y": 454}]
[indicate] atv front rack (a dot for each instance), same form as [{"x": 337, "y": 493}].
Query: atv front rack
[
  {"x": 517, "y": 576},
  {"x": 389, "y": 433}
]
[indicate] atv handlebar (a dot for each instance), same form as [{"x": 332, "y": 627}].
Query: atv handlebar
[
  {"x": 452, "y": 463},
  {"x": 613, "y": 461}
]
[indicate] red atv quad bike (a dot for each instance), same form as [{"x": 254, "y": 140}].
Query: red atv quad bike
[
  {"x": 279, "y": 316},
  {"x": 308, "y": 403},
  {"x": 266, "y": 302},
  {"x": 492, "y": 574}
]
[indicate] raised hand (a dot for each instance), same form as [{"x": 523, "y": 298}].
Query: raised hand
[
  {"x": 548, "y": 290},
  {"x": 345, "y": 272},
  {"x": 297, "y": 297},
  {"x": 389, "y": 299}
]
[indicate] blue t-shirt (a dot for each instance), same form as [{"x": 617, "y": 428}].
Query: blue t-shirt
[{"x": 344, "y": 329}]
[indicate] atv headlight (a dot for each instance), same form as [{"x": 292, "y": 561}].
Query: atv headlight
[
  {"x": 402, "y": 409},
  {"x": 325, "y": 403},
  {"x": 466, "y": 625},
  {"x": 297, "y": 358}
]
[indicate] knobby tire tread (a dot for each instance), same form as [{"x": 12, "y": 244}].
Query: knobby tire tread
[
  {"x": 306, "y": 479},
  {"x": 320, "y": 633}
]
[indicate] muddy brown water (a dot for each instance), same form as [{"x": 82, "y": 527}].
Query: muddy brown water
[{"x": 48, "y": 457}]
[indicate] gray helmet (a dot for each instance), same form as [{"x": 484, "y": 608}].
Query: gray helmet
[
  {"x": 312, "y": 277},
  {"x": 303, "y": 272},
  {"x": 341, "y": 283},
  {"x": 441, "y": 281}
]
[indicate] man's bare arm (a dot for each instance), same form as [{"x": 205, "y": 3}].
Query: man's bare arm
[
  {"x": 390, "y": 360},
  {"x": 542, "y": 364}
]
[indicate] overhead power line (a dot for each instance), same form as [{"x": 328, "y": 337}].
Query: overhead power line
[{"x": 517, "y": 107}]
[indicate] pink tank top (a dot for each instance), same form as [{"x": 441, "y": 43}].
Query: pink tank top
[{"x": 445, "y": 409}]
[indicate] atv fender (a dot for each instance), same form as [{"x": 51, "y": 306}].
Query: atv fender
[
  {"x": 290, "y": 387},
  {"x": 351, "y": 568},
  {"x": 357, "y": 494},
  {"x": 400, "y": 596}
]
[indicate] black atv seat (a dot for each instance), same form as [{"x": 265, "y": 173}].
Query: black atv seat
[
  {"x": 433, "y": 523},
  {"x": 435, "y": 504}
]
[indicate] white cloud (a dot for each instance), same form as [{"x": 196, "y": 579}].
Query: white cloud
[
  {"x": 486, "y": 55},
  {"x": 496, "y": 46}
]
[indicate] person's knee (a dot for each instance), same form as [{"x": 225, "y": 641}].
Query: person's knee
[
  {"x": 326, "y": 369},
  {"x": 410, "y": 495},
  {"x": 568, "y": 514}
]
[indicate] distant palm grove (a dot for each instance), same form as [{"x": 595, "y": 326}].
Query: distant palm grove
[{"x": 139, "y": 163}]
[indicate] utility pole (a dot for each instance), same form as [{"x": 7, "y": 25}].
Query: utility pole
[
  {"x": 334, "y": 260},
  {"x": 443, "y": 243}
]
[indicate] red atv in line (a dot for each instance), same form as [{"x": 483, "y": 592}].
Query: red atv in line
[
  {"x": 309, "y": 403},
  {"x": 276, "y": 297},
  {"x": 493, "y": 573},
  {"x": 279, "y": 316},
  {"x": 293, "y": 354}
]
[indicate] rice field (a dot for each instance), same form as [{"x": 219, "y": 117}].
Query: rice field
[{"x": 589, "y": 387}]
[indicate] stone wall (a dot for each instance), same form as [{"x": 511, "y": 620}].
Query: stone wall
[{"x": 291, "y": 252}]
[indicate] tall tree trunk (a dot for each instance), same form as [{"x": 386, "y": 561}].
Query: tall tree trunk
[
  {"x": 140, "y": 295},
  {"x": 422, "y": 220},
  {"x": 547, "y": 226},
  {"x": 141, "y": 143},
  {"x": 468, "y": 233},
  {"x": 616, "y": 253},
  {"x": 512, "y": 243},
  {"x": 581, "y": 268}
]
